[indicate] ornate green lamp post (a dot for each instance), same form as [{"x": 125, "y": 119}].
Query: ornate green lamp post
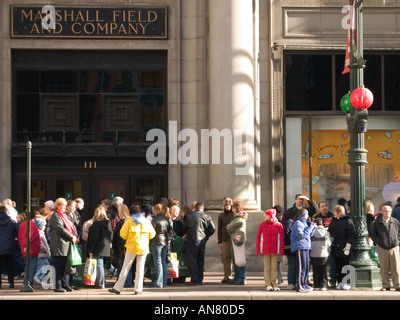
[{"x": 366, "y": 271}]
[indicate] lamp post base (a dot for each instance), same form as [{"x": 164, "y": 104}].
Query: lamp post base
[
  {"x": 367, "y": 272},
  {"x": 368, "y": 277}
]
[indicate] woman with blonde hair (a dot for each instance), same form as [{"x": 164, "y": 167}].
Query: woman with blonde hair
[
  {"x": 10, "y": 208},
  {"x": 99, "y": 241},
  {"x": 62, "y": 234},
  {"x": 370, "y": 212}
]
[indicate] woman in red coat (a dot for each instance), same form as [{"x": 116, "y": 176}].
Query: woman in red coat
[{"x": 271, "y": 244}]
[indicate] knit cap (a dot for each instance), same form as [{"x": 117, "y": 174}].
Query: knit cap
[
  {"x": 40, "y": 222},
  {"x": 271, "y": 213},
  {"x": 227, "y": 201}
]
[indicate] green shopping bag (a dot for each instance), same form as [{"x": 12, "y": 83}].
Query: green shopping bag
[
  {"x": 373, "y": 253},
  {"x": 75, "y": 255}
]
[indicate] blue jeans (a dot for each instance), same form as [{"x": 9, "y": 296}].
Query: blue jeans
[
  {"x": 160, "y": 263},
  {"x": 41, "y": 263},
  {"x": 332, "y": 269},
  {"x": 100, "y": 271},
  {"x": 32, "y": 269},
  {"x": 240, "y": 272}
]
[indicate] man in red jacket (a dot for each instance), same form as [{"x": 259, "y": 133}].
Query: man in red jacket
[{"x": 34, "y": 246}]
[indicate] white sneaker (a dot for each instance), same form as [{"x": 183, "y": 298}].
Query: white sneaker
[
  {"x": 323, "y": 289},
  {"x": 37, "y": 280},
  {"x": 291, "y": 287},
  {"x": 277, "y": 289},
  {"x": 269, "y": 288},
  {"x": 339, "y": 286},
  {"x": 346, "y": 287}
]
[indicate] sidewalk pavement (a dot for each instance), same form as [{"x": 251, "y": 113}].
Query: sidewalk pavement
[{"x": 211, "y": 289}]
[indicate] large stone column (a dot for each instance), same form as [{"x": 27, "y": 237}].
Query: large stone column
[
  {"x": 232, "y": 101},
  {"x": 5, "y": 113}
]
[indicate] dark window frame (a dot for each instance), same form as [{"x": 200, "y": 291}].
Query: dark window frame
[{"x": 335, "y": 108}]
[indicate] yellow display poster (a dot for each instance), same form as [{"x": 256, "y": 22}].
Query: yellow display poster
[{"x": 331, "y": 172}]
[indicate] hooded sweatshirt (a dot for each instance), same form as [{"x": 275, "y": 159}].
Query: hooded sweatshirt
[{"x": 137, "y": 231}]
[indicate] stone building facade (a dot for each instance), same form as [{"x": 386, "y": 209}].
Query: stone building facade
[{"x": 262, "y": 78}]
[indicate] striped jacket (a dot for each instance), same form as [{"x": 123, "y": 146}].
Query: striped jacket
[{"x": 270, "y": 238}]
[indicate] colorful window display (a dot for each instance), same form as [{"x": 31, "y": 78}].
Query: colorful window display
[{"x": 324, "y": 160}]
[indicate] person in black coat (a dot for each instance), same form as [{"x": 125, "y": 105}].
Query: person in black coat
[
  {"x": 8, "y": 233},
  {"x": 342, "y": 231},
  {"x": 99, "y": 241}
]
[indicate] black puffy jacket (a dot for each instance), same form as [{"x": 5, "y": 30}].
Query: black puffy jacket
[{"x": 342, "y": 231}]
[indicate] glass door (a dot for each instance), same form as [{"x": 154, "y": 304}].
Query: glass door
[{"x": 109, "y": 187}]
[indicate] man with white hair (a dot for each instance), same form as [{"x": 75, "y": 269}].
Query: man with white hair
[
  {"x": 385, "y": 234},
  {"x": 112, "y": 211},
  {"x": 49, "y": 204}
]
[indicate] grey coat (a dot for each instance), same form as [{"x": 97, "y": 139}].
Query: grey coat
[{"x": 60, "y": 237}]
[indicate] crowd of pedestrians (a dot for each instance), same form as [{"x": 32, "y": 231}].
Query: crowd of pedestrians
[{"x": 122, "y": 238}]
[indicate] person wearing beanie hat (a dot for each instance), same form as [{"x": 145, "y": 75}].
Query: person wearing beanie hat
[
  {"x": 44, "y": 253},
  {"x": 40, "y": 222},
  {"x": 271, "y": 213},
  {"x": 300, "y": 242},
  {"x": 224, "y": 240},
  {"x": 270, "y": 243}
]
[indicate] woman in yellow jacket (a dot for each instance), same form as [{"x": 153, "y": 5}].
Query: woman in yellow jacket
[{"x": 137, "y": 231}]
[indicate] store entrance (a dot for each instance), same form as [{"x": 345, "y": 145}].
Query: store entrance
[{"x": 140, "y": 188}]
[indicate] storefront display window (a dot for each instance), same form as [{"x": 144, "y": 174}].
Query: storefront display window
[{"x": 317, "y": 159}]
